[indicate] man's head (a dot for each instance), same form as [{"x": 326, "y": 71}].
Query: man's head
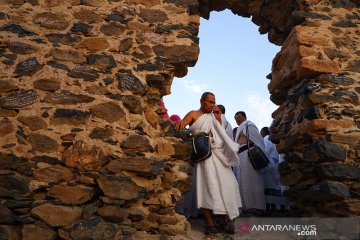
[
  {"x": 240, "y": 117},
  {"x": 207, "y": 102},
  {"x": 264, "y": 131},
  {"x": 222, "y": 108}
]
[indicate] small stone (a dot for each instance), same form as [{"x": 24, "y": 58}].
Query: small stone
[
  {"x": 7, "y": 86},
  {"x": 131, "y": 83},
  {"x": 70, "y": 117},
  {"x": 142, "y": 166},
  {"x": 63, "y": 39},
  {"x": 57, "y": 65},
  {"x": 112, "y": 29},
  {"x": 327, "y": 191},
  {"x": 115, "y": 17},
  {"x": 54, "y": 174},
  {"x": 19, "y": 100},
  {"x": 353, "y": 66},
  {"x": 344, "y": 24},
  {"x": 84, "y": 157},
  {"x": 8, "y": 113},
  {"x": 71, "y": 194},
  {"x": 46, "y": 159},
  {"x": 138, "y": 143},
  {"x": 109, "y": 111},
  {"x": 31, "y": 231},
  {"x": 88, "y": 16},
  {"x": 67, "y": 98},
  {"x": 67, "y": 55},
  {"x": 178, "y": 53},
  {"x": 192, "y": 5},
  {"x": 28, "y": 67},
  {"x": 94, "y": 3},
  {"x": 13, "y": 186},
  {"x": 108, "y": 80},
  {"x": 324, "y": 152},
  {"x": 94, "y": 44},
  {"x": 8, "y": 62},
  {"x": 51, "y": 21},
  {"x": 6, "y": 215},
  {"x": 148, "y": 67},
  {"x": 6, "y": 127},
  {"x": 113, "y": 213},
  {"x": 136, "y": 214},
  {"x": 81, "y": 28},
  {"x": 93, "y": 228},
  {"x": 22, "y": 48},
  {"x": 152, "y": 15},
  {"x": 43, "y": 143},
  {"x": 17, "y": 29},
  {"x": 84, "y": 72},
  {"x": 156, "y": 81},
  {"x": 101, "y": 133},
  {"x": 125, "y": 44},
  {"x": 122, "y": 188},
  {"x": 34, "y": 122},
  {"x": 338, "y": 171},
  {"x": 57, "y": 215},
  {"x": 102, "y": 62},
  {"x": 9, "y": 145},
  {"x": 50, "y": 84},
  {"x": 132, "y": 103}
]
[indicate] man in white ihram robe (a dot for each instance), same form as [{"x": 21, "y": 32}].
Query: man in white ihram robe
[
  {"x": 217, "y": 190},
  {"x": 214, "y": 175},
  {"x": 251, "y": 181}
]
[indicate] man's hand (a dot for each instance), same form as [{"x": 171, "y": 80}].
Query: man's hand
[{"x": 179, "y": 125}]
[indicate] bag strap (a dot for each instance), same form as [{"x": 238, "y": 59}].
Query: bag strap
[{"x": 247, "y": 136}]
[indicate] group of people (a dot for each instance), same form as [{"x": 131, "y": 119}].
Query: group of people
[{"x": 226, "y": 185}]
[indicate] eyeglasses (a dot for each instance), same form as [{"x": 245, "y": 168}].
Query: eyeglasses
[{"x": 211, "y": 102}]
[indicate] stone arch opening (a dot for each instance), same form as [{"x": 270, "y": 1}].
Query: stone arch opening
[
  {"x": 308, "y": 34},
  {"x": 81, "y": 83},
  {"x": 232, "y": 63}
]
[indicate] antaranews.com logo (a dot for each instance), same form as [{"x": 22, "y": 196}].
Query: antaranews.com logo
[
  {"x": 297, "y": 228},
  {"x": 301, "y": 230}
]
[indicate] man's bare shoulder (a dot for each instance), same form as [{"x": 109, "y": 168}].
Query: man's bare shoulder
[{"x": 195, "y": 113}]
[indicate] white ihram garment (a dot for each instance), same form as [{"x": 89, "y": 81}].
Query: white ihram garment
[
  {"x": 271, "y": 175},
  {"x": 216, "y": 186},
  {"x": 251, "y": 181},
  {"x": 227, "y": 126}
]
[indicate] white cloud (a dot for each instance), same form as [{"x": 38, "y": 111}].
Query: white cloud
[
  {"x": 259, "y": 109},
  {"x": 194, "y": 87}
]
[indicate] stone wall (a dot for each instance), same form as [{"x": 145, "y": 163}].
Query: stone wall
[{"x": 84, "y": 151}]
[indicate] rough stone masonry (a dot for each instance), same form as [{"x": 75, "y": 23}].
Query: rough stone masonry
[{"x": 84, "y": 151}]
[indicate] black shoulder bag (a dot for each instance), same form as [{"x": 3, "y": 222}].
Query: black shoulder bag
[
  {"x": 201, "y": 147},
  {"x": 257, "y": 157}
]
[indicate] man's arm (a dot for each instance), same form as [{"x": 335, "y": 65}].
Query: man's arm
[{"x": 187, "y": 120}]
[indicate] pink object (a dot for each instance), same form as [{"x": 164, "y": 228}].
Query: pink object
[
  {"x": 165, "y": 115},
  {"x": 174, "y": 118}
]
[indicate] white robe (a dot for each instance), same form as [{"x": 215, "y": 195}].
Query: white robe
[
  {"x": 228, "y": 128},
  {"x": 271, "y": 175},
  {"x": 216, "y": 186},
  {"x": 251, "y": 181}
]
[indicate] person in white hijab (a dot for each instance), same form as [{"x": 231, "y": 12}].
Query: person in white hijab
[
  {"x": 217, "y": 190},
  {"x": 251, "y": 181}
]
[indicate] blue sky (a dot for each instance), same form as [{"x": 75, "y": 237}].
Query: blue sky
[{"x": 233, "y": 63}]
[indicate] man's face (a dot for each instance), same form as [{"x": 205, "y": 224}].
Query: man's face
[
  {"x": 239, "y": 119},
  {"x": 208, "y": 104}
]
